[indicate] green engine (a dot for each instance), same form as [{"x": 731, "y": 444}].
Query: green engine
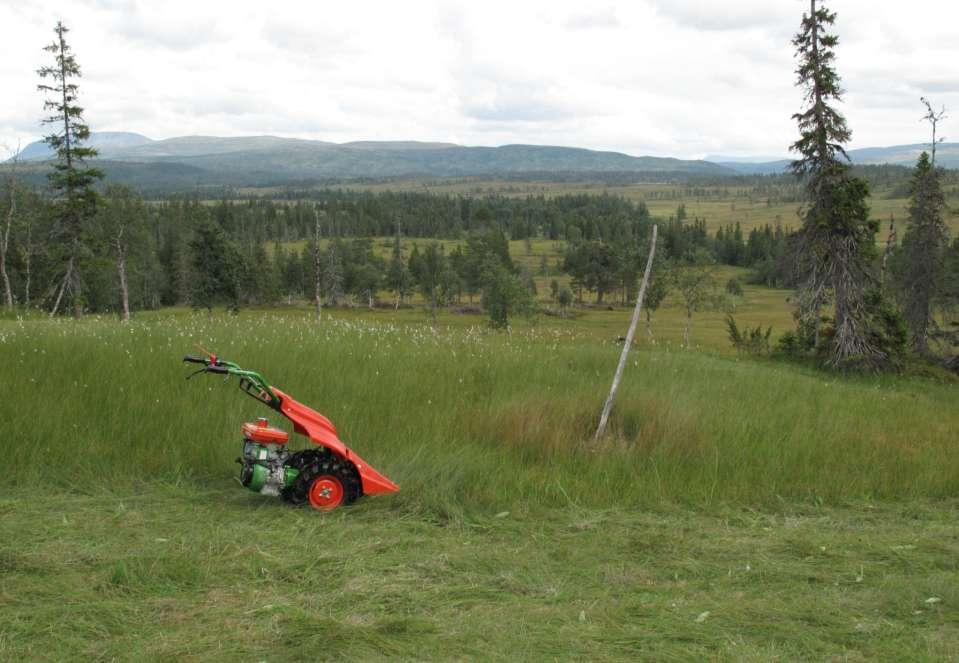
[{"x": 265, "y": 466}]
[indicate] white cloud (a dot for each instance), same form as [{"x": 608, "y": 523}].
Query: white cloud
[{"x": 666, "y": 77}]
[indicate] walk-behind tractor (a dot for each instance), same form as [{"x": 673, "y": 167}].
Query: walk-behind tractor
[{"x": 325, "y": 476}]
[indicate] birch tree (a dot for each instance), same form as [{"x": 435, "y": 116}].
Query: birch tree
[
  {"x": 8, "y": 227},
  {"x": 694, "y": 284},
  {"x": 122, "y": 225}
]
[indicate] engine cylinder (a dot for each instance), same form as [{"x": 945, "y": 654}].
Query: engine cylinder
[{"x": 264, "y": 467}]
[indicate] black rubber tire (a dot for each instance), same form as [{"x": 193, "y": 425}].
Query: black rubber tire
[{"x": 313, "y": 463}]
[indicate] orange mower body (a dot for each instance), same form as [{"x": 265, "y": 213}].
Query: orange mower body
[
  {"x": 325, "y": 476},
  {"x": 321, "y": 431}
]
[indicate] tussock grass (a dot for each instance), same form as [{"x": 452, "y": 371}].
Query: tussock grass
[{"x": 464, "y": 418}]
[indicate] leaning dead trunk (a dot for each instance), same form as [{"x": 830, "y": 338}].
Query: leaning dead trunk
[
  {"x": 608, "y": 405},
  {"x": 67, "y": 277}
]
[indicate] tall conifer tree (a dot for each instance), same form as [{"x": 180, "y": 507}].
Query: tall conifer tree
[
  {"x": 837, "y": 238},
  {"x": 924, "y": 248},
  {"x": 71, "y": 178}
]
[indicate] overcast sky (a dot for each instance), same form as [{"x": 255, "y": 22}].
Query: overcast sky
[{"x": 681, "y": 78}]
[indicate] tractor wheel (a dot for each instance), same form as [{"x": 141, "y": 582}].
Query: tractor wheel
[
  {"x": 326, "y": 492},
  {"x": 325, "y": 482}
]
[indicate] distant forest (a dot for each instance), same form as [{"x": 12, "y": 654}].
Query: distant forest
[
  {"x": 158, "y": 180},
  {"x": 185, "y": 251}
]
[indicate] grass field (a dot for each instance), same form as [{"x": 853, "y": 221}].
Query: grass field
[
  {"x": 214, "y": 573},
  {"x": 741, "y": 510},
  {"x": 768, "y": 307}
]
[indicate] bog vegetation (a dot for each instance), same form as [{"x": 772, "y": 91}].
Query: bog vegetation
[
  {"x": 462, "y": 339},
  {"x": 467, "y": 416},
  {"x": 863, "y": 302}
]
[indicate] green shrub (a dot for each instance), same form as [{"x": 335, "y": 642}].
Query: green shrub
[
  {"x": 734, "y": 287},
  {"x": 753, "y": 341}
]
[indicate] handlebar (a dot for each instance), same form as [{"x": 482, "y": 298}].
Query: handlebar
[{"x": 250, "y": 381}]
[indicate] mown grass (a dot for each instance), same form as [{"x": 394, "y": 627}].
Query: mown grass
[{"x": 180, "y": 572}]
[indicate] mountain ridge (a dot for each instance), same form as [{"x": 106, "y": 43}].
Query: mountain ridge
[
  {"x": 274, "y": 160},
  {"x": 947, "y": 155},
  {"x": 295, "y": 159}
]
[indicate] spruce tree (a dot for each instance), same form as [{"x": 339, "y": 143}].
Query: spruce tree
[
  {"x": 71, "y": 179},
  {"x": 923, "y": 247},
  {"x": 837, "y": 239},
  {"x": 429, "y": 274},
  {"x": 216, "y": 266}
]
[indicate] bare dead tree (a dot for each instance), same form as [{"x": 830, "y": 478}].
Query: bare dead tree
[
  {"x": 608, "y": 405},
  {"x": 317, "y": 267},
  {"x": 8, "y": 226},
  {"x": 933, "y": 118},
  {"x": 28, "y": 250},
  {"x": 121, "y": 222},
  {"x": 121, "y": 250},
  {"x": 891, "y": 241}
]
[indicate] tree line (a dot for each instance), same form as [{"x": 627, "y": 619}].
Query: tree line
[{"x": 82, "y": 247}]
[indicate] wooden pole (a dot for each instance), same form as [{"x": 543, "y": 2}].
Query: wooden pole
[{"x": 604, "y": 418}]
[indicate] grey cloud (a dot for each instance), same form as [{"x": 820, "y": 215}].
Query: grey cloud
[
  {"x": 889, "y": 88},
  {"x": 494, "y": 96},
  {"x": 230, "y": 104},
  {"x": 516, "y": 110},
  {"x": 109, "y": 5},
  {"x": 601, "y": 19},
  {"x": 943, "y": 85},
  {"x": 301, "y": 38},
  {"x": 182, "y": 34},
  {"x": 715, "y": 16}
]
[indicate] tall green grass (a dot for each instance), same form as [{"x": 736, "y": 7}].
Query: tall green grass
[{"x": 464, "y": 418}]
